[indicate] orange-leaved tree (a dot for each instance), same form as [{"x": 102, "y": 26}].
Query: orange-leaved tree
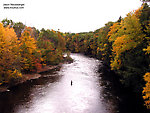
[
  {"x": 8, "y": 54},
  {"x": 30, "y": 55},
  {"x": 146, "y": 89},
  {"x": 127, "y": 37}
]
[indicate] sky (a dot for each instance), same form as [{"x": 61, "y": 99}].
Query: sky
[{"x": 68, "y": 15}]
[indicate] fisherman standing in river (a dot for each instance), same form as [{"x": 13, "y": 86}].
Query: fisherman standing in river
[{"x": 71, "y": 82}]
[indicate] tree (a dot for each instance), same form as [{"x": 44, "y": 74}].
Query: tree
[
  {"x": 52, "y": 45},
  {"x": 128, "y": 59},
  {"x": 119, "y": 20},
  {"x": 19, "y": 27},
  {"x": 47, "y": 49},
  {"x": 30, "y": 55},
  {"x": 146, "y": 89},
  {"x": 145, "y": 0},
  {"x": 104, "y": 46},
  {"x": 61, "y": 41},
  {"x": 8, "y": 54},
  {"x": 35, "y": 33},
  {"x": 128, "y": 37},
  {"x": 7, "y": 22}
]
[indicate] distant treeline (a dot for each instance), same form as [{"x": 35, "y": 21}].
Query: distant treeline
[{"x": 123, "y": 45}]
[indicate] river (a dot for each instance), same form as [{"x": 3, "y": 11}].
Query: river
[{"x": 53, "y": 93}]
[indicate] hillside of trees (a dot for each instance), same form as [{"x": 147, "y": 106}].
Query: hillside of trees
[
  {"x": 25, "y": 50},
  {"x": 124, "y": 46}
]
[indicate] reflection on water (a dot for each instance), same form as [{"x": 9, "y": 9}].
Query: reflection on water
[{"x": 53, "y": 93}]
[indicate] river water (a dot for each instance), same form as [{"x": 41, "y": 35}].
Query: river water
[{"x": 53, "y": 93}]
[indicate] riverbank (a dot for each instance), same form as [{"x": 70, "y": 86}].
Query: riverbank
[
  {"x": 29, "y": 76},
  {"x": 127, "y": 100},
  {"x": 36, "y": 75}
]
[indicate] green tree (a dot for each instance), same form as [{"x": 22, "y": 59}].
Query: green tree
[
  {"x": 19, "y": 27},
  {"x": 7, "y": 22}
]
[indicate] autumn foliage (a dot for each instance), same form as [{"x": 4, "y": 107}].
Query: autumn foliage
[
  {"x": 124, "y": 46},
  {"x": 9, "y": 46},
  {"x": 28, "y": 52}
]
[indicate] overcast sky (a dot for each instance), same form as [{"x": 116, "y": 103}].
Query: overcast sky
[{"x": 68, "y": 15}]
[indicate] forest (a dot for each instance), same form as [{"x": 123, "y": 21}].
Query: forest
[{"x": 124, "y": 46}]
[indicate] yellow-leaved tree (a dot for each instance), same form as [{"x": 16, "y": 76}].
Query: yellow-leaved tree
[
  {"x": 146, "y": 89},
  {"x": 125, "y": 37},
  {"x": 8, "y": 54},
  {"x": 28, "y": 51}
]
